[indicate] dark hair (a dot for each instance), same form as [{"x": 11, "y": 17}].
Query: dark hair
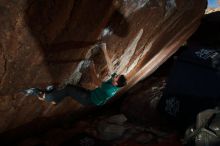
[{"x": 121, "y": 81}]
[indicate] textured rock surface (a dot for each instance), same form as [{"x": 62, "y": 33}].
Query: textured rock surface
[
  {"x": 141, "y": 102},
  {"x": 46, "y": 42}
]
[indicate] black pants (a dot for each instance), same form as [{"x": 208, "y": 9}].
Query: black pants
[{"x": 80, "y": 94}]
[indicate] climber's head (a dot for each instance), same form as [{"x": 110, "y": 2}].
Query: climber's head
[{"x": 119, "y": 81}]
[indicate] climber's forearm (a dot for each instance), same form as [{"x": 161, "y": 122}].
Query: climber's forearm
[
  {"x": 107, "y": 58},
  {"x": 95, "y": 77}
]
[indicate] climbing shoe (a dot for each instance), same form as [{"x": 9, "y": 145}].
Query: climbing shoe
[
  {"x": 32, "y": 92},
  {"x": 49, "y": 89}
]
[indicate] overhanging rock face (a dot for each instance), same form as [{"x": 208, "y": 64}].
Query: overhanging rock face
[{"x": 51, "y": 42}]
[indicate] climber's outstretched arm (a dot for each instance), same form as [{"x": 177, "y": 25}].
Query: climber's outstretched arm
[
  {"x": 107, "y": 58},
  {"x": 95, "y": 77}
]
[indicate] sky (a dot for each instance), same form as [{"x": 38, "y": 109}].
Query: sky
[{"x": 213, "y": 3}]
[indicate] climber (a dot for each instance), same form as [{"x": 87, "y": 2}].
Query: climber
[{"x": 97, "y": 96}]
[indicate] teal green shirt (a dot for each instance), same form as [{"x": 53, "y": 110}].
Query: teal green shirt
[{"x": 100, "y": 95}]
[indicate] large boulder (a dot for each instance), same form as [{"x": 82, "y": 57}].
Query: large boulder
[{"x": 48, "y": 42}]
